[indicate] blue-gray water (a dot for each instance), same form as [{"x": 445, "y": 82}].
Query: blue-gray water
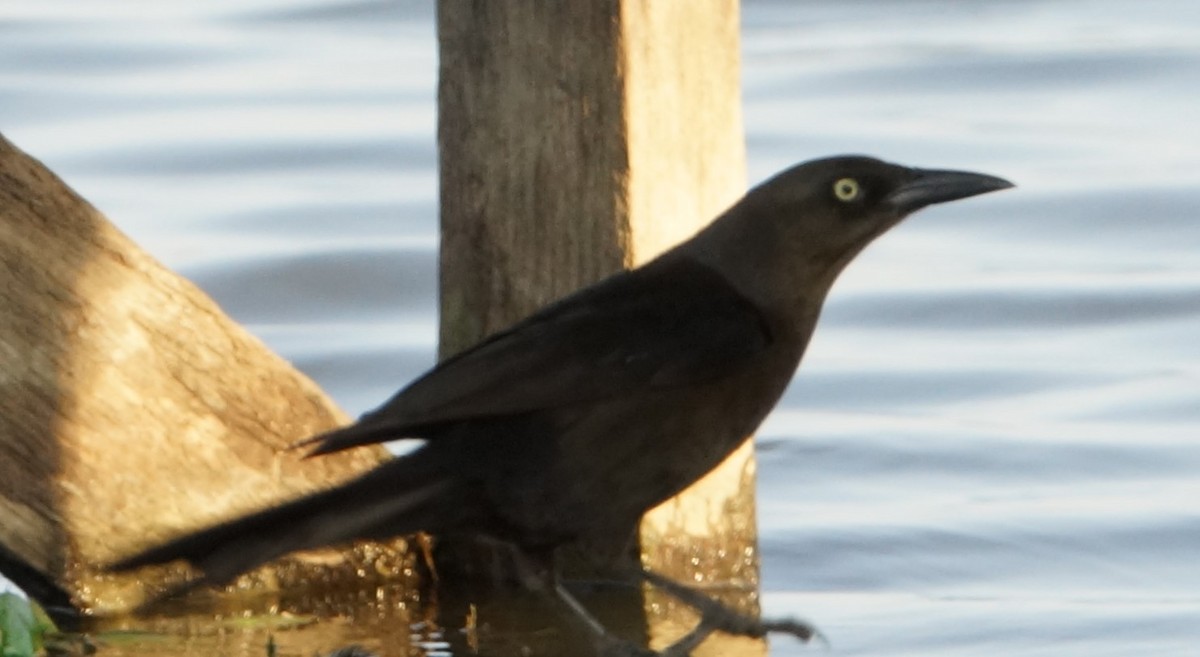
[{"x": 992, "y": 446}]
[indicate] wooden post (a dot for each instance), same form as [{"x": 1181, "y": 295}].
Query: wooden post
[
  {"x": 576, "y": 139},
  {"x": 131, "y": 408}
]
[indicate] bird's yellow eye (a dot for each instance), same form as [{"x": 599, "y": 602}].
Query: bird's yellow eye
[{"x": 846, "y": 189}]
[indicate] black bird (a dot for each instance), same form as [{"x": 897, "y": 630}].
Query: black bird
[{"x": 568, "y": 426}]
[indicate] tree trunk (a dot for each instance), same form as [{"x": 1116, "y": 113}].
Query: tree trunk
[{"x": 131, "y": 408}]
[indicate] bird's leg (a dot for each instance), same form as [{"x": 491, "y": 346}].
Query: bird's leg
[
  {"x": 716, "y": 616},
  {"x": 540, "y": 574},
  {"x": 606, "y": 644},
  {"x": 544, "y": 579}
]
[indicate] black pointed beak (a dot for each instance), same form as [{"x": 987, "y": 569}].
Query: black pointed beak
[{"x": 931, "y": 186}]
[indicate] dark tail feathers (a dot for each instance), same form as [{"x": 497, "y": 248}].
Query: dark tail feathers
[{"x": 400, "y": 497}]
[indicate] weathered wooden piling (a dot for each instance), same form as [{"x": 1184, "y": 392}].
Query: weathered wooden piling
[{"x": 577, "y": 139}]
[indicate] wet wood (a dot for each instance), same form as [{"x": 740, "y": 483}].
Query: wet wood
[
  {"x": 577, "y": 139},
  {"x": 131, "y": 408}
]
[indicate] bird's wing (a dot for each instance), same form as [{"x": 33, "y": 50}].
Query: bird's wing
[{"x": 668, "y": 324}]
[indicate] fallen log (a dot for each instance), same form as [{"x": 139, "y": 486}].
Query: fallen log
[{"x": 131, "y": 408}]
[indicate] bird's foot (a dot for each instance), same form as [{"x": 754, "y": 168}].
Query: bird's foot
[
  {"x": 722, "y": 619},
  {"x": 716, "y": 617}
]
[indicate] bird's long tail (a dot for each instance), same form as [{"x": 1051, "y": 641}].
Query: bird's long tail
[{"x": 402, "y": 496}]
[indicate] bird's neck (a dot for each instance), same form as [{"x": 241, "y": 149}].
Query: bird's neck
[{"x": 767, "y": 270}]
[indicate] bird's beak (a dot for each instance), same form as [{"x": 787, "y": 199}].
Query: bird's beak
[{"x": 931, "y": 186}]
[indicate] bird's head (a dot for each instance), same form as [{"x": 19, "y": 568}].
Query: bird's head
[
  {"x": 809, "y": 221},
  {"x": 836, "y": 206}
]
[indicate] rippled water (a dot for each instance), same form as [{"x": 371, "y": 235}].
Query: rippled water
[{"x": 992, "y": 445}]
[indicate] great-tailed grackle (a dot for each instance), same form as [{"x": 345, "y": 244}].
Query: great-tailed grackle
[{"x": 568, "y": 426}]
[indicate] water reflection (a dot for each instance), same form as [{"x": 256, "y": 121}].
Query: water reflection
[{"x": 397, "y": 621}]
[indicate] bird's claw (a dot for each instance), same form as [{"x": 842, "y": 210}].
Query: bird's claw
[
  {"x": 802, "y": 630},
  {"x": 725, "y": 620}
]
